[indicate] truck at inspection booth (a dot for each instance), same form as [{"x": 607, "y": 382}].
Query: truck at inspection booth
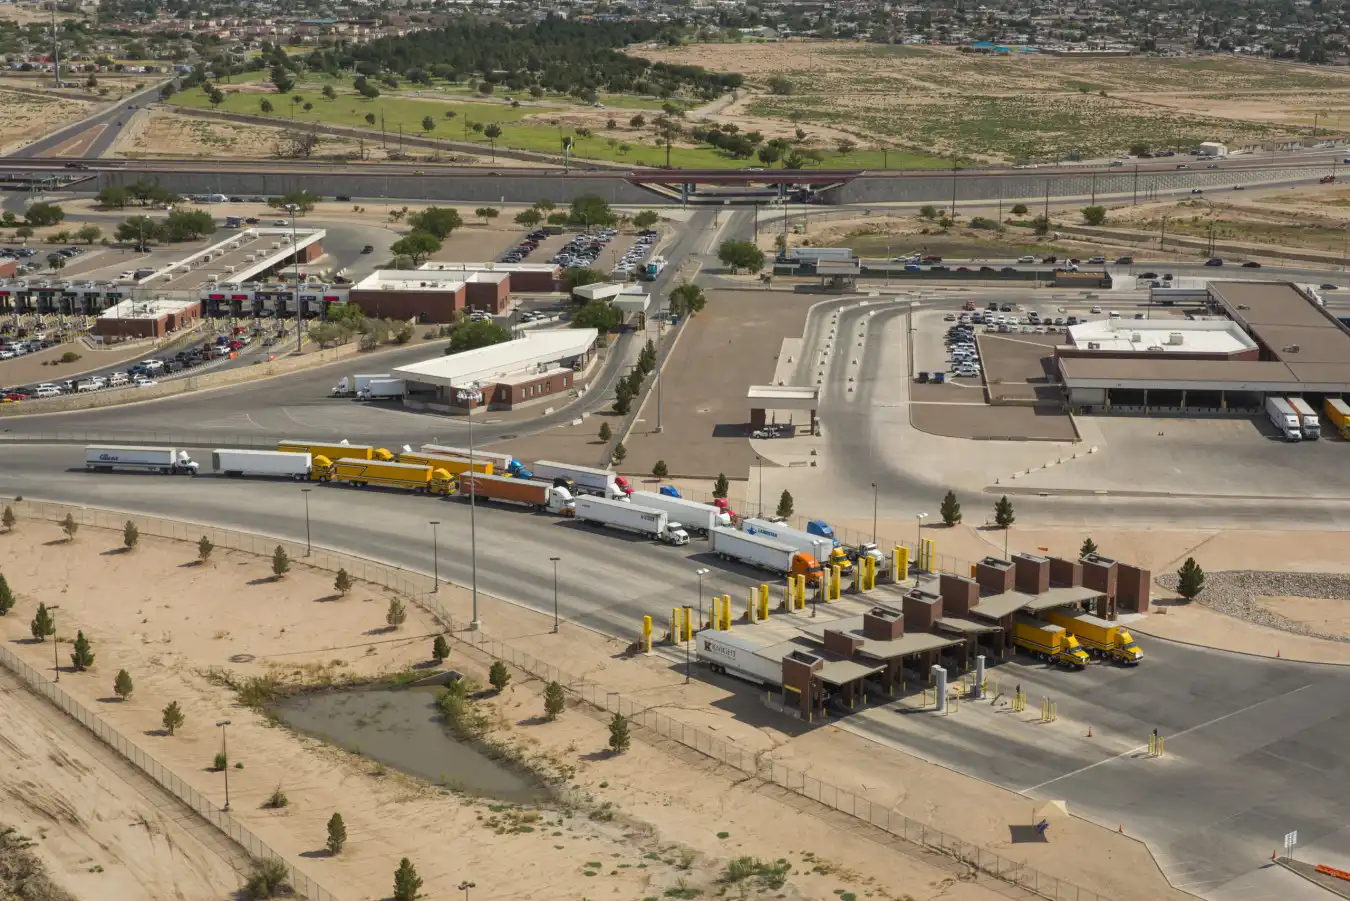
[
  {"x": 1049, "y": 642},
  {"x": 821, "y": 547},
  {"x": 503, "y": 464},
  {"x": 335, "y": 451},
  {"x": 764, "y": 553},
  {"x": 1099, "y": 637},
  {"x": 583, "y": 479},
  {"x": 361, "y": 473}
]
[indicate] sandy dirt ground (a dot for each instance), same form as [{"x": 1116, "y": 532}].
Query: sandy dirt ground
[
  {"x": 103, "y": 830},
  {"x": 32, "y": 368},
  {"x": 167, "y": 621},
  {"x": 24, "y": 116}
]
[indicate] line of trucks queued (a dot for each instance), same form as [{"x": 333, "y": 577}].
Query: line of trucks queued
[
  {"x": 1296, "y": 420},
  {"x": 590, "y": 495}
]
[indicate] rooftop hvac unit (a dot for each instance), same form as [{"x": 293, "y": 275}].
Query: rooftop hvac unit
[
  {"x": 1093, "y": 345},
  {"x": 1135, "y": 337},
  {"x": 229, "y": 268},
  {"x": 1293, "y": 349},
  {"x": 1156, "y": 348},
  {"x": 1176, "y": 338}
]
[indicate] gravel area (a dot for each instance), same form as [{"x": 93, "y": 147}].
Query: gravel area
[{"x": 1238, "y": 593}]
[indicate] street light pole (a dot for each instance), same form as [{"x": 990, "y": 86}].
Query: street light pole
[
  {"x": 295, "y": 251},
  {"x": 700, "y": 573},
  {"x": 555, "y": 593},
  {"x": 874, "y": 512},
  {"x": 56, "y": 660},
  {"x": 308, "y": 544},
  {"x": 435, "y": 559},
  {"x": 465, "y": 886},
  {"x": 918, "y": 540},
  {"x": 225, "y": 749},
  {"x": 475, "y": 624},
  {"x": 759, "y": 462}
]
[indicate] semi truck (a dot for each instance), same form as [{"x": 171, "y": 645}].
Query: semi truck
[
  {"x": 702, "y": 518},
  {"x": 817, "y": 254},
  {"x": 335, "y": 451},
  {"x": 736, "y": 655},
  {"x": 1338, "y": 413},
  {"x": 1046, "y": 641},
  {"x": 543, "y": 496},
  {"x": 383, "y": 389},
  {"x": 261, "y": 463},
  {"x": 503, "y": 464},
  {"x": 351, "y": 386},
  {"x": 1283, "y": 417},
  {"x": 165, "y": 460},
  {"x": 653, "y": 268},
  {"x": 822, "y": 528},
  {"x": 416, "y": 477},
  {"x": 582, "y": 479},
  {"x": 453, "y": 465},
  {"x": 1100, "y": 637},
  {"x": 764, "y": 553},
  {"x": 1307, "y": 418},
  {"x": 818, "y": 546},
  {"x": 630, "y": 517}
]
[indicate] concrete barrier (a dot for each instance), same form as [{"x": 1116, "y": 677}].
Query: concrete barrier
[{"x": 114, "y": 396}]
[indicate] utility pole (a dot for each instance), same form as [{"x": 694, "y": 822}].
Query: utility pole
[
  {"x": 1162, "y": 232},
  {"x": 1135, "y": 201},
  {"x": 1094, "y": 189},
  {"x": 56, "y": 48},
  {"x": 955, "y": 166}
]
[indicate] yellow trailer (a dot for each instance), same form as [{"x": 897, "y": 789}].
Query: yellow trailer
[
  {"x": 417, "y": 477},
  {"x": 1338, "y": 411},
  {"x": 1049, "y": 642},
  {"x": 1101, "y": 637},
  {"x": 451, "y": 464},
  {"x": 336, "y": 451}
]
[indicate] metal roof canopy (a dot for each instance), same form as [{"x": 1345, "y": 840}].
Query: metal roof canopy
[
  {"x": 998, "y": 606},
  {"x": 959, "y": 624},
  {"x": 782, "y": 397},
  {"x": 495, "y": 361},
  {"x": 879, "y": 649},
  {"x": 835, "y": 671}
]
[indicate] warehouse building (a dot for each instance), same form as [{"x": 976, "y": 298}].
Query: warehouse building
[
  {"x": 538, "y": 368},
  {"x": 430, "y": 295},
  {"x": 525, "y": 278},
  {"x": 153, "y": 318},
  {"x": 1273, "y": 339}
]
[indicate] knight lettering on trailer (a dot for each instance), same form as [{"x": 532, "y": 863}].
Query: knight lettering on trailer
[{"x": 718, "y": 650}]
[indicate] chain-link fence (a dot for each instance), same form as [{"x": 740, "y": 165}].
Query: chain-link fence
[
  {"x": 417, "y": 587},
  {"x": 256, "y": 847}
]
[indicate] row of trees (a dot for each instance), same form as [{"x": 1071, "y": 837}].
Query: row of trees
[{"x": 178, "y": 226}]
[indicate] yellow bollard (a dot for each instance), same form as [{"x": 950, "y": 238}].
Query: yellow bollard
[
  {"x": 688, "y": 623},
  {"x": 801, "y": 592},
  {"x": 926, "y": 554},
  {"x": 835, "y": 575},
  {"x": 871, "y": 572},
  {"x": 788, "y": 605},
  {"x": 899, "y": 563},
  {"x": 750, "y": 607},
  {"x": 726, "y": 613},
  {"x": 763, "y": 602},
  {"x": 647, "y": 634},
  {"x": 674, "y": 624}
]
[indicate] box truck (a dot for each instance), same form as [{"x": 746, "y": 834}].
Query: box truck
[
  {"x": 582, "y": 479},
  {"x": 331, "y": 451},
  {"x": 452, "y": 465},
  {"x": 1338, "y": 413},
  {"x": 351, "y": 386},
  {"x": 1307, "y": 418},
  {"x": 764, "y": 553},
  {"x": 543, "y": 496},
  {"x": 702, "y": 518},
  {"x": 737, "y": 654},
  {"x": 261, "y": 463},
  {"x": 383, "y": 389},
  {"x": 630, "y": 517},
  {"x": 1049, "y": 642},
  {"x": 166, "y": 460},
  {"x": 503, "y": 464},
  {"x": 419, "y": 478},
  {"x": 1100, "y": 637},
  {"x": 819, "y": 546},
  {"x": 1283, "y": 417}
]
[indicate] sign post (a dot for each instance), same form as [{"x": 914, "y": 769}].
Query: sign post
[{"x": 1290, "y": 842}]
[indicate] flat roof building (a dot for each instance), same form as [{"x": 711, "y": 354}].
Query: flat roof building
[
  {"x": 152, "y": 318},
  {"x": 526, "y": 278},
  {"x": 1211, "y": 338},
  {"x": 430, "y": 296}
]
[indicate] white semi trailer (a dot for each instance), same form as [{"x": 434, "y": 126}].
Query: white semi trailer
[
  {"x": 166, "y": 460},
  {"x": 701, "y": 518},
  {"x": 1308, "y": 420},
  {"x": 736, "y": 655},
  {"x": 282, "y": 464},
  {"x": 630, "y": 518},
  {"x": 1283, "y": 417}
]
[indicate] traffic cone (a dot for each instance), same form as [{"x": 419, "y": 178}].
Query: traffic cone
[
  {"x": 1277, "y": 653},
  {"x": 1089, "y": 735},
  {"x": 1274, "y": 854}
]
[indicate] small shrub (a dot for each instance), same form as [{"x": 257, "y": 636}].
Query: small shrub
[
  {"x": 343, "y": 583},
  {"x": 122, "y": 686},
  {"x": 619, "y": 737},
  {"x": 554, "y": 700},
  {"x": 6, "y": 596},
  {"x": 204, "y": 549},
  {"x": 172, "y": 717},
  {"x": 131, "y": 536},
  {"x": 281, "y": 562},
  {"x": 221, "y": 762},
  {"x": 70, "y": 527},
  {"x": 8, "y": 519},
  {"x": 499, "y": 675},
  {"x": 440, "y": 649},
  {"x": 69, "y": 357},
  {"x": 277, "y": 799},
  {"x": 397, "y": 614},
  {"x": 337, "y": 834},
  {"x": 268, "y": 879}
]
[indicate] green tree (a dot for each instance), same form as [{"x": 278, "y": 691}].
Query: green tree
[
  {"x": 43, "y": 624},
  {"x": 428, "y": 124},
  {"x": 138, "y": 229},
  {"x": 172, "y": 717},
  {"x": 370, "y": 118},
  {"x": 1019, "y": 209},
  {"x": 576, "y": 278},
  {"x": 265, "y": 106},
  {"x": 81, "y": 655},
  {"x": 8, "y": 519},
  {"x": 619, "y": 739},
  {"x": 545, "y": 205},
  {"x": 56, "y": 262},
  {"x": 721, "y": 487},
  {"x": 1138, "y": 148},
  {"x": 343, "y": 582},
  {"x": 589, "y": 210},
  {"x": 1041, "y": 225},
  {"x": 440, "y": 649},
  {"x": 329, "y": 93},
  {"x": 620, "y": 453},
  {"x": 1190, "y": 579},
  {"x": 112, "y": 197},
  {"x": 438, "y": 221},
  {"x": 487, "y": 213},
  {"x": 1094, "y": 215},
  {"x": 928, "y": 211},
  {"x": 337, "y": 831},
  {"x": 529, "y": 218},
  {"x": 89, "y": 233},
  {"x": 204, "y": 549},
  {"x": 122, "y": 686},
  {"x": 302, "y": 201},
  {"x": 492, "y": 133},
  {"x": 23, "y": 231},
  {"x": 188, "y": 225},
  {"x": 268, "y": 879},
  {"x": 1003, "y": 513},
  {"x": 597, "y": 314},
  {"x": 741, "y": 255},
  {"x": 1089, "y": 547},
  {"x": 687, "y": 298},
  {"x": 281, "y": 562},
  {"x": 418, "y": 245},
  {"x": 499, "y": 676},
  {"x": 554, "y": 700},
  {"x": 6, "y": 596},
  {"x": 623, "y": 400},
  {"x": 660, "y": 470},
  {"x": 785, "y": 504},
  {"x": 407, "y": 884},
  {"x": 70, "y": 526},
  {"x": 131, "y": 536},
  {"x": 472, "y": 335},
  {"x": 396, "y": 614},
  {"x": 780, "y": 84},
  {"x": 638, "y": 121},
  {"x": 646, "y": 219},
  {"x": 606, "y": 433},
  {"x": 950, "y": 509}
]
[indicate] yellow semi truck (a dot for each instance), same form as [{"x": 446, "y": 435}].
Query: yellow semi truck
[
  {"x": 360, "y": 473},
  {"x": 1046, "y": 641},
  {"x": 451, "y": 464},
  {"x": 1338, "y": 412},
  {"x": 336, "y": 451},
  {"x": 1100, "y": 637}
]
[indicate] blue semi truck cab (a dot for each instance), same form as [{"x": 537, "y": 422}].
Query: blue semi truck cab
[{"x": 822, "y": 528}]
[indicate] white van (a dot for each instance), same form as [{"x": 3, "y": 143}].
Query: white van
[
  {"x": 86, "y": 387},
  {"x": 48, "y": 391}
]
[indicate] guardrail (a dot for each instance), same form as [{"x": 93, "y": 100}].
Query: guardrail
[{"x": 417, "y": 587}]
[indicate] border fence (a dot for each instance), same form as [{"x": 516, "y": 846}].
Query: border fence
[{"x": 417, "y": 587}]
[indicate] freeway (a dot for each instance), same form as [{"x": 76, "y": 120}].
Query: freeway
[{"x": 33, "y": 154}]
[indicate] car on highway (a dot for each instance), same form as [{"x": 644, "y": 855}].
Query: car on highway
[
  {"x": 950, "y": 317},
  {"x": 1050, "y": 259},
  {"x": 1098, "y": 259},
  {"x": 1212, "y": 166},
  {"x": 1326, "y": 179},
  {"x": 1329, "y": 287},
  {"x": 252, "y": 220},
  {"x": 1149, "y": 275},
  {"x": 1182, "y": 166},
  {"x": 1125, "y": 261},
  {"x": 1214, "y": 261},
  {"x": 1096, "y": 309},
  {"x": 1026, "y": 259},
  {"x": 1251, "y": 264},
  {"x": 1006, "y": 308},
  {"x": 143, "y": 382},
  {"x": 1239, "y": 188},
  {"x": 1197, "y": 190}
]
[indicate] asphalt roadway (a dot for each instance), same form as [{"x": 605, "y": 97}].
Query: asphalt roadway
[{"x": 109, "y": 117}]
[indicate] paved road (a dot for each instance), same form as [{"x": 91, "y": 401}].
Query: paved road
[{"x": 108, "y": 117}]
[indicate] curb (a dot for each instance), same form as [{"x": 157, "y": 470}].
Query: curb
[{"x": 1252, "y": 654}]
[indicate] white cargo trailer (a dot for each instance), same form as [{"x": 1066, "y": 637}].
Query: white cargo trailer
[
  {"x": 754, "y": 550},
  {"x": 261, "y": 463},
  {"x": 1283, "y": 417},
  {"x": 382, "y": 389},
  {"x": 166, "y": 460},
  {"x": 692, "y": 515},
  {"x": 736, "y": 654},
  {"x": 351, "y": 386},
  {"x": 631, "y": 518},
  {"x": 817, "y": 546},
  {"x": 586, "y": 479},
  {"x": 1308, "y": 420}
]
